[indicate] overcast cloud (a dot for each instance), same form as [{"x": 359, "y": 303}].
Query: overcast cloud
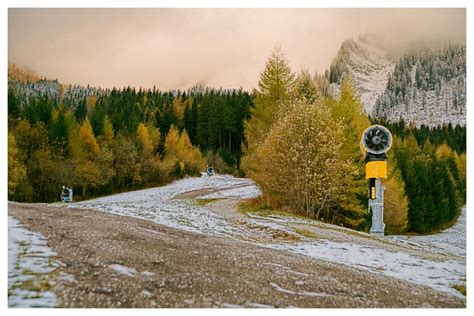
[{"x": 178, "y": 48}]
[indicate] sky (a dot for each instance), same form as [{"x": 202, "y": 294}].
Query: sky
[{"x": 179, "y": 48}]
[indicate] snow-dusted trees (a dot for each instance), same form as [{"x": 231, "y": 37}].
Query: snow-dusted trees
[
  {"x": 301, "y": 165},
  {"x": 305, "y": 89},
  {"x": 426, "y": 86}
]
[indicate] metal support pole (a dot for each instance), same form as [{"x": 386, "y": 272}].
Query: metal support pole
[{"x": 376, "y": 205}]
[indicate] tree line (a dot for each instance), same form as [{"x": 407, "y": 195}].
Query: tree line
[{"x": 118, "y": 139}]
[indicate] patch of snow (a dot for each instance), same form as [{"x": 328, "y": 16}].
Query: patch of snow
[
  {"x": 158, "y": 204},
  {"x": 123, "y": 269},
  {"x": 304, "y": 293},
  {"x": 248, "y": 191},
  {"x": 147, "y": 273},
  {"x": 453, "y": 238},
  {"x": 66, "y": 277},
  {"x": 228, "y": 305},
  {"x": 258, "y": 305},
  {"x": 450, "y": 241},
  {"x": 438, "y": 275},
  {"x": 30, "y": 268}
]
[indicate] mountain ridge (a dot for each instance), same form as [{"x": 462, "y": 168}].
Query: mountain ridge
[{"x": 422, "y": 86}]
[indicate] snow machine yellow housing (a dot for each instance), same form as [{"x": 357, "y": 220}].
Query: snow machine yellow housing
[{"x": 376, "y": 169}]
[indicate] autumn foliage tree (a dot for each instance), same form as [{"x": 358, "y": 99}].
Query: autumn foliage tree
[
  {"x": 88, "y": 174},
  {"x": 180, "y": 153},
  {"x": 87, "y": 139},
  {"x": 300, "y": 162}
]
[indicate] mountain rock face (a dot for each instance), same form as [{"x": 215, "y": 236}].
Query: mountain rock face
[
  {"x": 423, "y": 86},
  {"x": 368, "y": 66}
]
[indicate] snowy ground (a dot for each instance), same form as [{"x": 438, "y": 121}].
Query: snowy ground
[
  {"x": 30, "y": 268},
  {"x": 437, "y": 261}
]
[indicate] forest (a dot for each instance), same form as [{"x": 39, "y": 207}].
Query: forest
[
  {"x": 302, "y": 148},
  {"x": 119, "y": 139},
  {"x": 298, "y": 143},
  {"x": 423, "y": 77}
]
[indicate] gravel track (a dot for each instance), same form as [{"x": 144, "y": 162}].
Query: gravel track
[{"x": 119, "y": 261}]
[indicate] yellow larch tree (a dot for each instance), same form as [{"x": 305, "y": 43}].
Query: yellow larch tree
[{"x": 87, "y": 139}]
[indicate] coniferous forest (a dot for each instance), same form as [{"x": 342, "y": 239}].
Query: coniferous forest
[
  {"x": 120, "y": 139},
  {"x": 300, "y": 144}
]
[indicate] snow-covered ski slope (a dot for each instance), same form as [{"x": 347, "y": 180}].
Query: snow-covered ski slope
[{"x": 437, "y": 261}]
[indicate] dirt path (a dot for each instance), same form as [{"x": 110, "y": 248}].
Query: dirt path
[{"x": 119, "y": 261}]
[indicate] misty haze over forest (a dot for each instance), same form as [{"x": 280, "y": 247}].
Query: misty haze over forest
[{"x": 180, "y": 48}]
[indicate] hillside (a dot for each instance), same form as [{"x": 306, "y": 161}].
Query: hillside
[
  {"x": 424, "y": 85},
  {"x": 427, "y": 87}
]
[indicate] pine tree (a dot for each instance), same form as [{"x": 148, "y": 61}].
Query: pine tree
[
  {"x": 81, "y": 111},
  {"x": 14, "y": 109},
  {"x": 275, "y": 86},
  {"x": 395, "y": 201},
  {"x": 461, "y": 167},
  {"x": 59, "y": 128},
  {"x": 108, "y": 130}
]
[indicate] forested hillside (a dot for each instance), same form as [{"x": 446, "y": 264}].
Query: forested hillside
[
  {"x": 426, "y": 87},
  {"x": 102, "y": 141}
]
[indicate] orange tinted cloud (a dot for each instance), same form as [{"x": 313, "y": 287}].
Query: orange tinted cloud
[{"x": 178, "y": 48}]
